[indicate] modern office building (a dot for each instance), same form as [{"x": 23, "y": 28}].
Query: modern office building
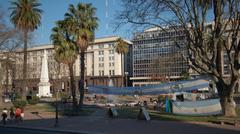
[
  {"x": 156, "y": 57},
  {"x": 102, "y": 64}
]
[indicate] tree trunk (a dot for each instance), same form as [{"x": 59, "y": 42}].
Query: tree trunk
[
  {"x": 229, "y": 106},
  {"x": 7, "y": 74},
  {"x": 218, "y": 27},
  {"x": 226, "y": 99},
  {"x": 81, "y": 86},
  {"x": 25, "y": 64},
  {"x": 122, "y": 69},
  {"x": 225, "y": 90},
  {"x": 73, "y": 87}
]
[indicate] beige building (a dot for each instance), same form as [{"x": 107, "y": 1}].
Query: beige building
[{"x": 102, "y": 63}]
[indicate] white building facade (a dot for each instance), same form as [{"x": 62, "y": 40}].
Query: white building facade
[{"x": 102, "y": 63}]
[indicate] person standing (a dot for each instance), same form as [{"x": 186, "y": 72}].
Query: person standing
[
  {"x": 4, "y": 115},
  {"x": 22, "y": 114},
  {"x": 12, "y": 114},
  {"x": 18, "y": 114}
]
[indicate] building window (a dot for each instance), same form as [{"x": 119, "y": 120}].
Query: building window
[
  {"x": 101, "y": 58},
  {"x": 101, "y": 46},
  {"x": 100, "y": 52},
  {"x": 110, "y": 72},
  {"x": 111, "y": 51},
  {"x": 111, "y": 45},
  {"x": 102, "y": 72},
  {"x": 113, "y": 72},
  {"x": 101, "y": 64},
  {"x": 111, "y": 64},
  {"x": 111, "y": 58}
]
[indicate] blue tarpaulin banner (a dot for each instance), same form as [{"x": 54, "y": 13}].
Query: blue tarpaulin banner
[
  {"x": 149, "y": 90},
  {"x": 202, "y": 107}
]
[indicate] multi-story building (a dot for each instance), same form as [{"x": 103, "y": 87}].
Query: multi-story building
[
  {"x": 102, "y": 64},
  {"x": 156, "y": 57}
]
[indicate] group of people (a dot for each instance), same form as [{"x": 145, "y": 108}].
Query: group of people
[{"x": 16, "y": 115}]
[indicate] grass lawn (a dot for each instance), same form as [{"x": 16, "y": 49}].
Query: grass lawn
[
  {"x": 50, "y": 108},
  {"x": 82, "y": 112},
  {"x": 40, "y": 107},
  {"x": 156, "y": 115}
]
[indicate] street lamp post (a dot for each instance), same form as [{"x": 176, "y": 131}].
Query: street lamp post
[
  {"x": 126, "y": 80},
  {"x": 56, "y": 103}
]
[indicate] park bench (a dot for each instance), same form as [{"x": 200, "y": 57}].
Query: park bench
[{"x": 230, "y": 121}]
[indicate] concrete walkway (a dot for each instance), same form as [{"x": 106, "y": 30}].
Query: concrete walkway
[{"x": 102, "y": 124}]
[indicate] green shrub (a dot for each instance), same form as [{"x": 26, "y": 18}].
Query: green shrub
[
  {"x": 34, "y": 100},
  {"x": 64, "y": 96},
  {"x": 18, "y": 96},
  {"x": 19, "y": 103}
]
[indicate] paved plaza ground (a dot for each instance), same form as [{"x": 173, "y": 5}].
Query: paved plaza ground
[{"x": 100, "y": 123}]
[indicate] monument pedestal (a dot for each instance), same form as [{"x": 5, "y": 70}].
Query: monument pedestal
[{"x": 44, "y": 89}]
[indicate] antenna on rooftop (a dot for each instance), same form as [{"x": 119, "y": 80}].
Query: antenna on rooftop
[{"x": 106, "y": 14}]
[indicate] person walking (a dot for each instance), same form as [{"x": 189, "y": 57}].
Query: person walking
[
  {"x": 22, "y": 114},
  {"x": 18, "y": 114},
  {"x": 4, "y": 115},
  {"x": 12, "y": 114}
]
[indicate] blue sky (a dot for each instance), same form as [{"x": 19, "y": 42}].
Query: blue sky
[{"x": 55, "y": 9}]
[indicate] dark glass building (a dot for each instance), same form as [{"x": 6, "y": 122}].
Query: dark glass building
[{"x": 157, "y": 56}]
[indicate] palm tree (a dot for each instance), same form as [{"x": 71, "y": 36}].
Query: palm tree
[
  {"x": 122, "y": 48},
  {"x": 83, "y": 24},
  {"x": 26, "y": 16},
  {"x": 65, "y": 52}
]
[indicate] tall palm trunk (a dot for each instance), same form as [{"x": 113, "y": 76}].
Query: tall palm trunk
[
  {"x": 82, "y": 68},
  {"x": 73, "y": 87},
  {"x": 25, "y": 63}
]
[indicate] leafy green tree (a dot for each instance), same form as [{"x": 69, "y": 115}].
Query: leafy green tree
[
  {"x": 65, "y": 52},
  {"x": 26, "y": 16},
  {"x": 83, "y": 22},
  {"x": 122, "y": 48}
]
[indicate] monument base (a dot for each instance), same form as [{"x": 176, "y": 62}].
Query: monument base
[{"x": 44, "y": 90}]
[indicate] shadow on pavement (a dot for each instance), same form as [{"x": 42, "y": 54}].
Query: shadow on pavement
[{"x": 102, "y": 124}]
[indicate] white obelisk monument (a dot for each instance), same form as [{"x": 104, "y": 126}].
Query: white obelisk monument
[{"x": 44, "y": 85}]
